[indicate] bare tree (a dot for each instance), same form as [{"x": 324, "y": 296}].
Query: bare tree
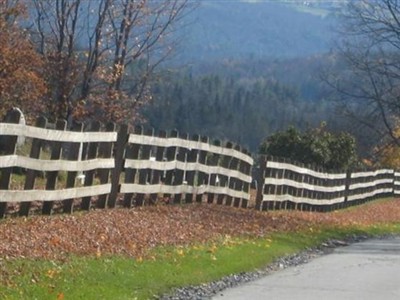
[
  {"x": 369, "y": 84},
  {"x": 106, "y": 51},
  {"x": 55, "y": 32},
  {"x": 141, "y": 32}
]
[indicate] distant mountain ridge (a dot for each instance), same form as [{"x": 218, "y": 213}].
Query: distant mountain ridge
[{"x": 272, "y": 29}]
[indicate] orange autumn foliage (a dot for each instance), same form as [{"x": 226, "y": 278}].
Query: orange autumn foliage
[{"x": 21, "y": 80}]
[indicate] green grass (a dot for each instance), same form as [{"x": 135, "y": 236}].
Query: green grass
[{"x": 162, "y": 270}]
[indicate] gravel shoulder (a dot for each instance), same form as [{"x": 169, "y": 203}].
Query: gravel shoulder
[{"x": 207, "y": 291}]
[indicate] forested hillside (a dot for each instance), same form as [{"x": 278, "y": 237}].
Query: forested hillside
[
  {"x": 247, "y": 70},
  {"x": 242, "y": 109}
]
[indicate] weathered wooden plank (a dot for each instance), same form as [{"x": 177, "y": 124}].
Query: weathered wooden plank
[
  {"x": 131, "y": 154},
  {"x": 144, "y": 173},
  {"x": 371, "y": 183},
  {"x": 55, "y": 155},
  {"x": 371, "y": 173},
  {"x": 44, "y": 165},
  {"x": 213, "y": 161},
  {"x": 156, "y": 173},
  {"x": 30, "y": 173},
  {"x": 57, "y": 135},
  {"x": 189, "y": 144},
  {"x": 166, "y": 189},
  {"x": 228, "y": 161},
  {"x": 119, "y": 163},
  {"x": 191, "y": 167},
  {"x": 54, "y": 195},
  {"x": 303, "y": 185},
  {"x": 170, "y": 156},
  {"x": 237, "y": 182},
  {"x": 73, "y": 155},
  {"x": 105, "y": 151},
  {"x": 91, "y": 155},
  {"x": 181, "y": 157},
  {"x": 8, "y": 147},
  {"x": 369, "y": 194},
  {"x": 202, "y": 177},
  {"x": 294, "y": 168}
]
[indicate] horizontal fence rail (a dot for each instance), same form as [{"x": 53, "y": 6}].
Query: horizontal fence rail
[
  {"x": 95, "y": 165},
  {"x": 183, "y": 168},
  {"x": 290, "y": 185},
  {"x": 365, "y": 185}
]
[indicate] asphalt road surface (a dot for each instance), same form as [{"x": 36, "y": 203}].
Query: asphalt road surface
[{"x": 365, "y": 270}]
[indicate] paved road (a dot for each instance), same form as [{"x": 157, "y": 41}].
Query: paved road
[{"x": 366, "y": 270}]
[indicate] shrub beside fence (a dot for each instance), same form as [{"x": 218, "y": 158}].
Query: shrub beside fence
[{"x": 101, "y": 167}]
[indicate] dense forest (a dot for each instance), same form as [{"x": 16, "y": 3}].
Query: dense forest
[
  {"x": 247, "y": 70},
  {"x": 247, "y": 100}
]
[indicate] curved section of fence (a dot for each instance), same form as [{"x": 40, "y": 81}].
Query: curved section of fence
[
  {"x": 100, "y": 165},
  {"x": 185, "y": 169},
  {"x": 366, "y": 185},
  {"x": 94, "y": 165},
  {"x": 290, "y": 185},
  {"x": 55, "y": 164}
]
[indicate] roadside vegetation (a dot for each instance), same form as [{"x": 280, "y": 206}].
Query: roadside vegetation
[{"x": 142, "y": 253}]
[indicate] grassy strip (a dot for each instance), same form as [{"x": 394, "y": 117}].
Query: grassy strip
[{"x": 164, "y": 269}]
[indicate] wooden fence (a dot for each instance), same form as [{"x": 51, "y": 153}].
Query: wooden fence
[
  {"x": 288, "y": 185},
  {"x": 100, "y": 166}
]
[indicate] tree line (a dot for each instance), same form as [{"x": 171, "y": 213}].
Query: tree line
[{"x": 244, "y": 110}]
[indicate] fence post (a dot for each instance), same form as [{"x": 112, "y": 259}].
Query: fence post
[
  {"x": 213, "y": 178},
  {"x": 132, "y": 152},
  {"x": 171, "y": 156},
  {"x": 120, "y": 145},
  {"x": 260, "y": 180},
  {"x": 30, "y": 174},
  {"x": 347, "y": 187},
  {"x": 181, "y": 156},
  {"x": 52, "y": 176},
  {"x": 190, "y": 175},
  {"x": 237, "y": 184},
  {"x": 9, "y": 147},
  {"x": 157, "y": 174},
  {"x": 393, "y": 183},
  {"x": 228, "y": 164},
  {"x": 91, "y": 154},
  {"x": 245, "y": 168},
  {"x": 201, "y": 176},
  {"x": 144, "y": 173},
  {"x": 71, "y": 177},
  {"x": 105, "y": 151}
]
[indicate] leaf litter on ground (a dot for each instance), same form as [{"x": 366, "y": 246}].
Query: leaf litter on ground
[{"x": 133, "y": 232}]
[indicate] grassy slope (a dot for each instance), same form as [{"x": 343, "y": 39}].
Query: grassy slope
[{"x": 163, "y": 268}]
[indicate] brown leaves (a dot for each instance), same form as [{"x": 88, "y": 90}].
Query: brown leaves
[
  {"x": 21, "y": 80},
  {"x": 133, "y": 232}
]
